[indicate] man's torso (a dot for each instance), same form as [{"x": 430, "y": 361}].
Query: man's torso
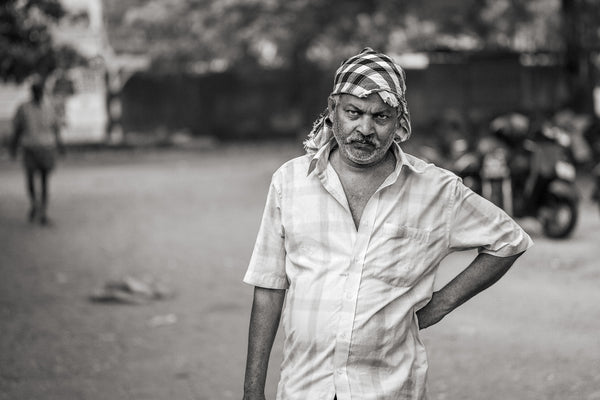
[
  {"x": 359, "y": 263},
  {"x": 38, "y": 123},
  {"x": 359, "y": 186},
  {"x": 353, "y": 289}
]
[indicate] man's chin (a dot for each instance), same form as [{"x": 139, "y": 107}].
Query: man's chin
[
  {"x": 361, "y": 150},
  {"x": 362, "y": 158}
]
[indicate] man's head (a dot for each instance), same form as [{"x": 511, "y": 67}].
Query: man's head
[
  {"x": 364, "y": 128},
  {"x": 365, "y": 74},
  {"x": 37, "y": 90}
]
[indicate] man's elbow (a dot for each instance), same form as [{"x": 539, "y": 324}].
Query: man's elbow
[{"x": 268, "y": 296}]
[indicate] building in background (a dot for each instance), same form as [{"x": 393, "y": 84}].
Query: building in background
[
  {"x": 86, "y": 97},
  {"x": 85, "y": 111}
]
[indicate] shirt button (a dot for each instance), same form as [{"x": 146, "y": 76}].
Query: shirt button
[
  {"x": 349, "y": 296},
  {"x": 339, "y": 371}
]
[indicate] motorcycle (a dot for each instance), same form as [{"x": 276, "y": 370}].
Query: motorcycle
[{"x": 534, "y": 179}]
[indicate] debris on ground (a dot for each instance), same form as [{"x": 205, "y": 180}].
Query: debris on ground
[
  {"x": 162, "y": 320},
  {"x": 130, "y": 290}
]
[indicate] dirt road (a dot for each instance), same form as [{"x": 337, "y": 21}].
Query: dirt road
[{"x": 189, "y": 219}]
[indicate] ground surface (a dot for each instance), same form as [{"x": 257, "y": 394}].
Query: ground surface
[{"x": 188, "y": 219}]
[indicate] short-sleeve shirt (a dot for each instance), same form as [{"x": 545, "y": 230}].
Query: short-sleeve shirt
[
  {"x": 349, "y": 318},
  {"x": 37, "y": 124}
]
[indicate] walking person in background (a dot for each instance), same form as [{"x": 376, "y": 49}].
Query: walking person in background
[
  {"x": 36, "y": 129},
  {"x": 351, "y": 237}
]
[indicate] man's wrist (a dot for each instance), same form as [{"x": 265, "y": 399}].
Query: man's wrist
[
  {"x": 254, "y": 386},
  {"x": 253, "y": 393}
]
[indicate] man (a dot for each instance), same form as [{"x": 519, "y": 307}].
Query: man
[
  {"x": 351, "y": 237},
  {"x": 36, "y": 130}
]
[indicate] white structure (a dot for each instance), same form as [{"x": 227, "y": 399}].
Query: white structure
[{"x": 85, "y": 111}]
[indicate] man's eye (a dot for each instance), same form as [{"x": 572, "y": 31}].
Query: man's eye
[
  {"x": 382, "y": 117},
  {"x": 352, "y": 113}
]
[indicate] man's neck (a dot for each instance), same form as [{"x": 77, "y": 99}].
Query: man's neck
[{"x": 344, "y": 166}]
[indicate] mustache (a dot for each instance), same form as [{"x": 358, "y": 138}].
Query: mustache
[{"x": 359, "y": 138}]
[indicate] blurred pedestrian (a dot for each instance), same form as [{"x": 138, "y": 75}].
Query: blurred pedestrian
[
  {"x": 36, "y": 130},
  {"x": 351, "y": 238}
]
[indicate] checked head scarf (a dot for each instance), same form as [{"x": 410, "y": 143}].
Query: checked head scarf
[{"x": 362, "y": 75}]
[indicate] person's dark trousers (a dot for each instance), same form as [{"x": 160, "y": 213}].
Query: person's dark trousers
[
  {"x": 38, "y": 160},
  {"x": 30, "y": 176},
  {"x": 38, "y": 208}
]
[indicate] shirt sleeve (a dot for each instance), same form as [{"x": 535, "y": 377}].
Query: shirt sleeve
[
  {"x": 476, "y": 223},
  {"x": 17, "y": 121},
  {"x": 17, "y": 124},
  {"x": 267, "y": 264}
]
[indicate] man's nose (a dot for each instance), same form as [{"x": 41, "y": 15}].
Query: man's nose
[{"x": 367, "y": 125}]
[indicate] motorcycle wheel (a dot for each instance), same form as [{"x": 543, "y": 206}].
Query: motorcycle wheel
[{"x": 559, "y": 217}]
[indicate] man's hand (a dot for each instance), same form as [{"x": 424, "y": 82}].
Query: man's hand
[
  {"x": 483, "y": 272},
  {"x": 432, "y": 313}
]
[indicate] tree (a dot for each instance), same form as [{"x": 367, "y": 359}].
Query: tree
[
  {"x": 273, "y": 33},
  {"x": 26, "y": 45},
  {"x": 580, "y": 26},
  {"x": 204, "y": 35}
]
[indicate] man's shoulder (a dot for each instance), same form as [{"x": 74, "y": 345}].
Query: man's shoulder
[
  {"x": 22, "y": 107},
  {"x": 429, "y": 170},
  {"x": 295, "y": 166},
  {"x": 430, "y": 177},
  {"x": 292, "y": 173}
]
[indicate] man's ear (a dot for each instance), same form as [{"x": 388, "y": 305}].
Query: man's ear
[
  {"x": 331, "y": 103},
  {"x": 402, "y": 131}
]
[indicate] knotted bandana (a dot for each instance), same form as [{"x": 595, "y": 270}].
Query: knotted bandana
[{"x": 362, "y": 75}]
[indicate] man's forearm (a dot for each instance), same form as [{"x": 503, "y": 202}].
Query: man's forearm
[
  {"x": 14, "y": 142},
  {"x": 264, "y": 321},
  {"x": 483, "y": 272},
  {"x": 58, "y": 140}
]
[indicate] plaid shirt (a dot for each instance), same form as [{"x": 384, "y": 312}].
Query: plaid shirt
[{"x": 349, "y": 317}]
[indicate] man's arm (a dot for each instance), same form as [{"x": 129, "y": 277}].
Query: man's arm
[
  {"x": 483, "y": 272},
  {"x": 17, "y": 132},
  {"x": 56, "y": 130},
  {"x": 264, "y": 321},
  {"x": 59, "y": 144}
]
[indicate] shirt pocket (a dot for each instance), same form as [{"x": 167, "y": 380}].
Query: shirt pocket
[{"x": 402, "y": 254}]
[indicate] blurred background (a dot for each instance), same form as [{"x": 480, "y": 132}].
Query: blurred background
[{"x": 176, "y": 112}]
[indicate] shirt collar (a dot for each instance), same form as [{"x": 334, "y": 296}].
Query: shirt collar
[{"x": 321, "y": 159}]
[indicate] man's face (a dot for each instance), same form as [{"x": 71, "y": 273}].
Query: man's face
[{"x": 363, "y": 127}]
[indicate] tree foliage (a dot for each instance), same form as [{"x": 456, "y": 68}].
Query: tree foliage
[
  {"x": 210, "y": 34},
  {"x": 26, "y": 44}
]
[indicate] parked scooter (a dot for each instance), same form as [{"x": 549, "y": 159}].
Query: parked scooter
[{"x": 526, "y": 177}]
